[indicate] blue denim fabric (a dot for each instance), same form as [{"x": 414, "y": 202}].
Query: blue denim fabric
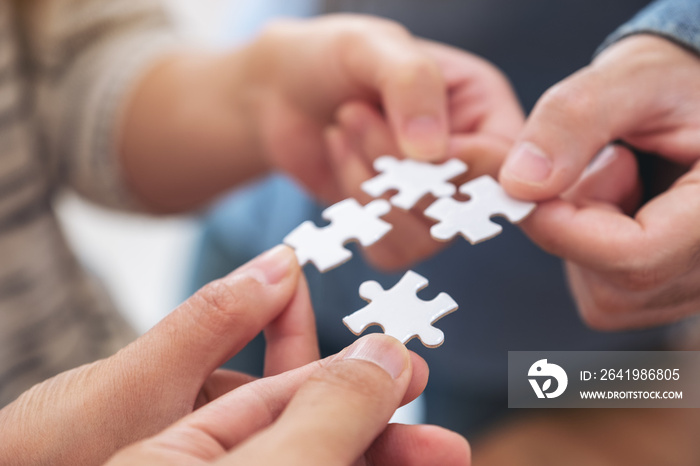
[{"x": 676, "y": 20}]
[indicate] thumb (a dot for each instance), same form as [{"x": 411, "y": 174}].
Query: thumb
[
  {"x": 571, "y": 123},
  {"x": 328, "y": 412},
  {"x": 338, "y": 412},
  {"x": 217, "y": 321}
]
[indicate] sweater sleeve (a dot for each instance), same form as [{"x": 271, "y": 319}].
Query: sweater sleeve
[
  {"x": 676, "y": 20},
  {"x": 84, "y": 58}
]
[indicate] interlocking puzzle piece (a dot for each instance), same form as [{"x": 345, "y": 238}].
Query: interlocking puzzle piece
[
  {"x": 349, "y": 221},
  {"x": 400, "y": 312},
  {"x": 472, "y": 219},
  {"x": 412, "y": 179}
]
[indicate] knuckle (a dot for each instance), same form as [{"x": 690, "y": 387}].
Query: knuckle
[
  {"x": 601, "y": 310},
  {"x": 671, "y": 300},
  {"x": 618, "y": 297},
  {"x": 218, "y": 297},
  {"x": 358, "y": 37},
  {"x": 606, "y": 311},
  {"x": 636, "y": 264},
  {"x": 393, "y": 28},
  {"x": 639, "y": 272},
  {"x": 418, "y": 68},
  {"x": 641, "y": 279},
  {"x": 606, "y": 304},
  {"x": 223, "y": 302},
  {"x": 598, "y": 319},
  {"x": 366, "y": 25},
  {"x": 410, "y": 72},
  {"x": 348, "y": 38},
  {"x": 572, "y": 98},
  {"x": 599, "y": 303},
  {"x": 266, "y": 47},
  {"x": 279, "y": 28},
  {"x": 349, "y": 46}
]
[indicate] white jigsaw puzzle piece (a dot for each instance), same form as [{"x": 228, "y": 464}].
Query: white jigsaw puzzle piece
[
  {"x": 413, "y": 179},
  {"x": 472, "y": 218},
  {"x": 400, "y": 312},
  {"x": 324, "y": 246}
]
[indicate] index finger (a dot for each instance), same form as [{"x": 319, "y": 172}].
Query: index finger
[
  {"x": 291, "y": 339},
  {"x": 410, "y": 83}
]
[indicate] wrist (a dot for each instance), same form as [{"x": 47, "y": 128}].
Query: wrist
[
  {"x": 643, "y": 48},
  {"x": 190, "y": 130},
  {"x": 251, "y": 73}
]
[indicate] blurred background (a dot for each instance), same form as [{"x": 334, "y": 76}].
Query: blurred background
[{"x": 144, "y": 261}]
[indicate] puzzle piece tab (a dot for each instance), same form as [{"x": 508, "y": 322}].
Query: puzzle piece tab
[
  {"x": 349, "y": 221},
  {"x": 412, "y": 179},
  {"x": 400, "y": 312},
  {"x": 472, "y": 219}
]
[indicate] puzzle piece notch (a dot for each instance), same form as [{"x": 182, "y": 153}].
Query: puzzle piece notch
[
  {"x": 413, "y": 179},
  {"x": 472, "y": 218},
  {"x": 400, "y": 312},
  {"x": 349, "y": 220}
]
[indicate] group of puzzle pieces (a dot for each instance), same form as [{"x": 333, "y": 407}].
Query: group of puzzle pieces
[{"x": 398, "y": 310}]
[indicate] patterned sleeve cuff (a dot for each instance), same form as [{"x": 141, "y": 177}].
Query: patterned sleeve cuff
[
  {"x": 97, "y": 172},
  {"x": 676, "y": 20}
]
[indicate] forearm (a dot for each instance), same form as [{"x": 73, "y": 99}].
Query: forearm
[
  {"x": 62, "y": 422},
  {"x": 197, "y": 125},
  {"x": 83, "y": 416},
  {"x": 189, "y": 131}
]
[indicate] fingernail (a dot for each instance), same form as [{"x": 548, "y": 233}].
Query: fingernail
[
  {"x": 603, "y": 159},
  {"x": 272, "y": 266},
  {"x": 423, "y": 138},
  {"x": 528, "y": 164},
  {"x": 384, "y": 351}
]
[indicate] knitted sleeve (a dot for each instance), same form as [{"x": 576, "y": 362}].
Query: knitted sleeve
[{"x": 84, "y": 57}]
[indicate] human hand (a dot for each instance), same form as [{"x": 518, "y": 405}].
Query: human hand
[
  {"x": 198, "y": 123},
  {"x": 425, "y": 91},
  {"x": 216, "y": 120},
  {"x": 330, "y": 412},
  {"x": 627, "y": 267},
  {"x": 85, "y": 415},
  {"x": 484, "y": 118}
]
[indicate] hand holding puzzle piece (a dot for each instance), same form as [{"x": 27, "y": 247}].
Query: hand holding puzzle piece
[{"x": 398, "y": 310}]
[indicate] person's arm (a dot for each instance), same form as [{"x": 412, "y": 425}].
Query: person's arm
[
  {"x": 198, "y": 124},
  {"x": 629, "y": 266},
  {"x": 334, "y": 412},
  {"x": 83, "y": 57},
  {"x": 485, "y": 118},
  {"x": 129, "y": 115},
  {"x": 84, "y": 416}
]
